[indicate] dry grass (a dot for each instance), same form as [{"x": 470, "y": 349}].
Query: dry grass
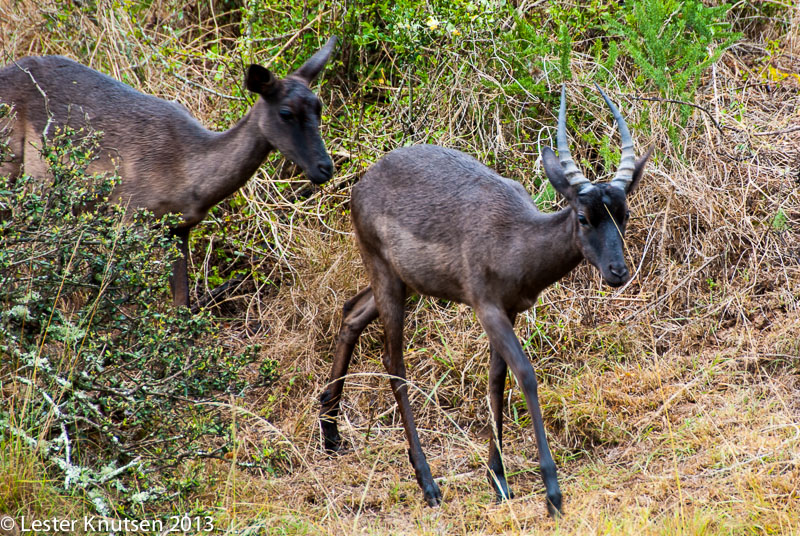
[{"x": 672, "y": 404}]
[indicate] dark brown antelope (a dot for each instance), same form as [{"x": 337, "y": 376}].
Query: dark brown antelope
[
  {"x": 437, "y": 222},
  {"x": 168, "y": 162}
]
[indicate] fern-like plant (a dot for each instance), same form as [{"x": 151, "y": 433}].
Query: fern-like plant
[{"x": 673, "y": 42}]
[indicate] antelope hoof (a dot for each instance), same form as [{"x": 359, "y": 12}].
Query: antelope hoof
[
  {"x": 554, "y": 505},
  {"x": 330, "y": 436},
  {"x": 433, "y": 496},
  {"x": 501, "y": 489}
]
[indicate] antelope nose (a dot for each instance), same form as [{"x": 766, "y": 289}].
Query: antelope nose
[
  {"x": 326, "y": 170},
  {"x": 619, "y": 271}
]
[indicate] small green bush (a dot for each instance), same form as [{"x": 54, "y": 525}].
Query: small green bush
[
  {"x": 107, "y": 381},
  {"x": 673, "y": 43}
]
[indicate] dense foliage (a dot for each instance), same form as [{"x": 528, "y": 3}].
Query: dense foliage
[{"x": 108, "y": 383}]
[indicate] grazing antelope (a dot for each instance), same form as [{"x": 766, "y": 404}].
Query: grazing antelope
[
  {"x": 437, "y": 222},
  {"x": 168, "y": 162}
]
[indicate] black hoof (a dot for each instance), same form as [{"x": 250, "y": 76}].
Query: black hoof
[
  {"x": 331, "y": 439},
  {"x": 502, "y": 496},
  {"x": 554, "y": 505},
  {"x": 500, "y": 485},
  {"x": 433, "y": 496}
]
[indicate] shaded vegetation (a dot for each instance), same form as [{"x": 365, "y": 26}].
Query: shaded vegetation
[{"x": 105, "y": 381}]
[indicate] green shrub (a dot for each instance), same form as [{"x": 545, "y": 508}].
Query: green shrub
[
  {"x": 102, "y": 377},
  {"x": 673, "y": 42}
]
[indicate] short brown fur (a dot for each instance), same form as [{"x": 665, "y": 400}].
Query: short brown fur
[{"x": 168, "y": 162}]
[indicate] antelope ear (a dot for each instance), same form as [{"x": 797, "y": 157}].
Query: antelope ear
[
  {"x": 638, "y": 170},
  {"x": 313, "y": 66},
  {"x": 260, "y": 80},
  {"x": 555, "y": 174}
]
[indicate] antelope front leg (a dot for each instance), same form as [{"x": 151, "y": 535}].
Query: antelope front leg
[
  {"x": 358, "y": 312},
  {"x": 179, "y": 282},
  {"x": 500, "y": 330}
]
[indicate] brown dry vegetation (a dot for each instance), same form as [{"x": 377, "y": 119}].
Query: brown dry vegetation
[{"x": 672, "y": 404}]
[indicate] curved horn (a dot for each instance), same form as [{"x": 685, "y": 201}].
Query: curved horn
[
  {"x": 627, "y": 161},
  {"x": 571, "y": 171}
]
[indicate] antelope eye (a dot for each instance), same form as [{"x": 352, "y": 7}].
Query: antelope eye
[
  {"x": 285, "y": 114},
  {"x": 582, "y": 219}
]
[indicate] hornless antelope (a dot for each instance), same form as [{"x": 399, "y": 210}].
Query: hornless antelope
[
  {"x": 437, "y": 222},
  {"x": 168, "y": 162}
]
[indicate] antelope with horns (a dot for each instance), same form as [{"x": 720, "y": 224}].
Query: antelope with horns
[
  {"x": 437, "y": 222},
  {"x": 168, "y": 162}
]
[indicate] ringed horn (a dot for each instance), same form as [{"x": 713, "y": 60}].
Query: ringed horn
[{"x": 574, "y": 175}]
